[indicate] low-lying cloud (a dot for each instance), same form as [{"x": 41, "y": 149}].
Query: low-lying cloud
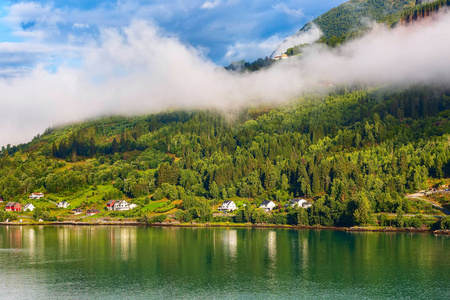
[
  {"x": 139, "y": 70},
  {"x": 309, "y": 36}
]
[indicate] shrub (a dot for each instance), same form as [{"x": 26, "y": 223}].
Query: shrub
[
  {"x": 164, "y": 209},
  {"x": 48, "y": 217},
  {"x": 158, "y": 195},
  {"x": 158, "y": 219},
  {"x": 445, "y": 223},
  {"x": 383, "y": 219},
  {"x": 414, "y": 222}
]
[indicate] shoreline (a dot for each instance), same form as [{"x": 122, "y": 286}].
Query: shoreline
[{"x": 219, "y": 225}]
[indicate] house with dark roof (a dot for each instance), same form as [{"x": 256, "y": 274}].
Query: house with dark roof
[
  {"x": 77, "y": 211},
  {"x": 267, "y": 206},
  {"x": 227, "y": 206},
  {"x": 28, "y": 207},
  {"x": 9, "y": 206},
  {"x": 121, "y": 205},
  {"x": 13, "y": 206},
  {"x": 301, "y": 203}
]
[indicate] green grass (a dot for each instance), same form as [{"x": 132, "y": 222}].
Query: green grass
[
  {"x": 89, "y": 198},
  {"x": 152, "y": 206}
]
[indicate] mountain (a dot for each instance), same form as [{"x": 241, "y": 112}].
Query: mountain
[
  {"x": 354, "y": 153},
  {"x": 342, "y": 20},
  {"x": 346, "y": 22}
]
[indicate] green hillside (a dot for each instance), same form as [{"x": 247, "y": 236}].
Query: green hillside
[
  {"x": 352, "y": 19},
  {"x": 355, "y": 14},
  {"x": 353, "y": 153},
  {"x": 349, "y": 20},
  {"x": 420, "y": 10}
]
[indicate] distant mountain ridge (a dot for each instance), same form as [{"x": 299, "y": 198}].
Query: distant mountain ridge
[
  {"x": 348, "y": 21},
  {"x": 346, "y": 18}
]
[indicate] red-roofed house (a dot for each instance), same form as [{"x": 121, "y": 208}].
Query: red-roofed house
[
  {"x": 92, "y": 212},
  {"x": 36, "y": 196},
  {"x": 110, "y": 204}
]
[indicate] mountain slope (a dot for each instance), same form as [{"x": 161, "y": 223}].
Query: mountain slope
[
  {"x": 353, "y": 153},
  {"x": 346, "y": 18},
  {"x": 355, "y": 14}
]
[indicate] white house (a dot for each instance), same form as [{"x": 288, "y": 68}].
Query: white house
[
  {"x": 63, "y": 204},
  {"x": 307, "y": 204},
  {"x": 36, "y": 196},
  {"x": 132, "y": 206},
  {"x": 121, "y": 205},
  {"x": 302, "y": 203},
  {"x": 228, "y": 206},
  {"x": 28, "y": 207},
  {"x": 267, "y": 205}
]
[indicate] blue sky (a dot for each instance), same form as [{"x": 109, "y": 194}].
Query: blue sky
[
  {"x": 43, "y": 32},
  {"x": 65, "y": 61}
]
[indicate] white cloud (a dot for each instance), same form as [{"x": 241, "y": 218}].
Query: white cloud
[
  {"x": 252, "y": 50},
  {"x": 80, "y": 26},
  {"x": 32, "y": 20},
  {"x": 138, "y": 70},
  {"x": 210, "y": 4},
  {"x": 24, "y": 55},
  {"x": 301, "y": 37},
  {"x": 296, "y": 13}
]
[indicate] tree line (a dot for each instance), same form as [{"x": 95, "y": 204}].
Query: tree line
[{"x": 354, "y": 152}]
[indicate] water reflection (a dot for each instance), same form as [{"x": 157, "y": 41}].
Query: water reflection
[
  {"x": 30, "y": 236},
  {"x": 272, "y": 245},
  {"x": 74, "y": 262},
  {"x": 124, "y": 244},
  {"x": 229, "y": 240},
  {"x": 64, "y": 239},
  {"x": 15, "y": 236}
]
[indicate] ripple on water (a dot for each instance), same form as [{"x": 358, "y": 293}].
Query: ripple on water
[{"x": 213, "y": 263}]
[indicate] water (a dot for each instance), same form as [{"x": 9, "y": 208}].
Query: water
[{"x": 66, "y": 262}]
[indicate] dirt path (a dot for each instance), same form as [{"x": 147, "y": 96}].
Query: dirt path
[
  {"x": 419, "y": 195},
  {"x": 410, "y": 215}
]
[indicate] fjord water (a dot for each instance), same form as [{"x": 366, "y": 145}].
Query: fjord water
[{"x": 65, "y": 262}]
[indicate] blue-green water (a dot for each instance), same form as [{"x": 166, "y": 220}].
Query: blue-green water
[{"x": 217, "y": 263}]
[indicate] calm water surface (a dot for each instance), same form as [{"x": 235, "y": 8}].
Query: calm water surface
[{"x": 217, "y": 263}]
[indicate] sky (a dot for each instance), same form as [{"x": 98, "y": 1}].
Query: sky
[
  {"x": 61, "y": 63},
  {"x": 33, "y": 32}
]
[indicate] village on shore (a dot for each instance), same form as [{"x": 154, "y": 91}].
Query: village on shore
[
  {"x": 48, "y": 209},
  {"x": 64, "y": 207}
]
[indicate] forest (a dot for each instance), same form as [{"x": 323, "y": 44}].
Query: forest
[
  {"x": 352, "y": 20},
  {"x": 354, "y": 153},
  {"x": 351, "y": 24}
]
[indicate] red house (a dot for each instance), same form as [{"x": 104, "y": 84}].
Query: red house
[
  {"x": 110, "y": 204},
  {"x": 92, "y": 212},
  {"x": 13, "y": 206}
]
